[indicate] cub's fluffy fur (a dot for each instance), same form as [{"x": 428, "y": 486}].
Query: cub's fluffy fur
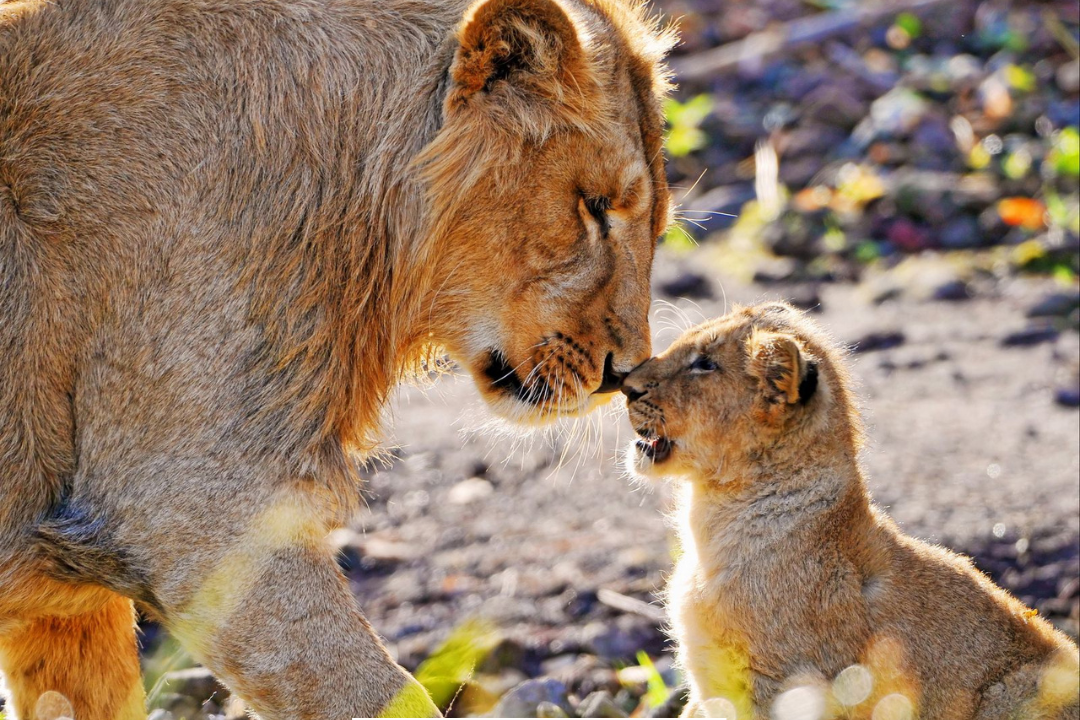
[
  {"x": 794, "y": 594},
  {"x": 227, "y": 228}
]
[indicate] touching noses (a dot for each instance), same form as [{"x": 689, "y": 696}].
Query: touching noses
[
  {"x": 633, "y": 388},
  {"x": 612, "y": 379}
]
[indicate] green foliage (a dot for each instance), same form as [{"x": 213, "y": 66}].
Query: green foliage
[
  {"x": 684, "y": 135},
  {"x": 1064, "y": 156},
  {"x": 909, "y": 23},
  {"x": 452, "y": 664},
  {"x": 1020, "y": 78},
  {"x": 658, "y": 690},
  {"x": 677, "y": 239}
]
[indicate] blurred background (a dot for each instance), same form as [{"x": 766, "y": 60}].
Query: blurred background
[{"x": 906, "y": 170}]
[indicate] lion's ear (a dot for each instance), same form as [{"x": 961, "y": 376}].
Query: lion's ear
[
  {"x": 517, "y": 46},
  {"x": 785, "y": 375}
]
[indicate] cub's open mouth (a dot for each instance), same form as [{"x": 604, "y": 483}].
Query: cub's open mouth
[{"x": 654, "y": 447}]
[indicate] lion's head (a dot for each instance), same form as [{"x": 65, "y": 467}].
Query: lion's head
[
  {"x": 761, "y": 386},
  {"x": 548, "y": 188}
]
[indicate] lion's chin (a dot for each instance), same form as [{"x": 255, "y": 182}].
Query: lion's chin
[{"x": 507, "y": 405}]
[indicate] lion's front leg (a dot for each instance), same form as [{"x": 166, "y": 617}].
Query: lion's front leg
[{"x": 275, "y": 621}]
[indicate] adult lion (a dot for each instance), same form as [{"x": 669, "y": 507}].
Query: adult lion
[{"x": 226, "y": 231}]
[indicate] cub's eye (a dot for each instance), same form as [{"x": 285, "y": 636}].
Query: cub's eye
[
  {"x": 703, "y": 364},
  {"x": 598, "y": 207}
]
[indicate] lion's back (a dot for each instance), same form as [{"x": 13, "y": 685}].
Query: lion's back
[{"x": 152, "y": 152}]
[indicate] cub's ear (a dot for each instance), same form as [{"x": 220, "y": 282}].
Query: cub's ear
[
  {"x": 518, "y": 45},
  {"x": 786, "y": 375}
]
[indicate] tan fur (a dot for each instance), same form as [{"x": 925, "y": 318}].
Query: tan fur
[
  {"x": 227, "y": 230},
  {"x": 792, "y": 588}
]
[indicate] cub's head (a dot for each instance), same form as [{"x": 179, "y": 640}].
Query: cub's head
[
  {"x": 548, "y": 191},
  {"x": 759, "y": 387}
]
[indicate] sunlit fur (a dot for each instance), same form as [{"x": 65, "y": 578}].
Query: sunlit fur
[
  {"x": 227, "y": 230},
  {"x": 789, "y": 574}
]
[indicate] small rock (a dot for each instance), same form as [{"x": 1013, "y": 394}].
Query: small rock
[
  {"x": 1068, "y": 396},
  {"x": 1054, "y": 305},
  {"x": 1068, "y": 77},
  {"x": 160, "y": 714},
  {"x": 775, "y": 270},
  {"x": 907, "y": 236},
  {"x": 952, "y": 290},
  {"x": 688, "y": 285},
  {"x": 805, "y": 297},
  {"x": 1030, "y": 336},
  {"x": 620, "y": 640},
  {"x": 600, "y": 704},
  {"x": 961, "y": 233},
  {"x": 524, "y": 700},
  {"x": 469, "y": 491},
  {"x": 550, "y": 710},
  {"x": 875, "y": 341}
]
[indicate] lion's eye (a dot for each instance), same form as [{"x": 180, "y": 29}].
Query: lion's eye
[
  {"x": 598, "y": 207},
  {"x": 703, "y": 364}
]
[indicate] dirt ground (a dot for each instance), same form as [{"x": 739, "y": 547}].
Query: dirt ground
[{"x": 534, "y": 534}]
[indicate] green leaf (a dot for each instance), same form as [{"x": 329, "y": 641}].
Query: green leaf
[
  {"x": 909, "y": 23},
  {"x": 1064, "y": 157},
  {"x": 447, "y": 669},
  {"x": 683, "y": 119},
  {"x": 1020, "y": 78},
  {"x": 657, "y": 690},
  {"x": 1017, "y": 164},
  {"x": 867, "y": 251}
]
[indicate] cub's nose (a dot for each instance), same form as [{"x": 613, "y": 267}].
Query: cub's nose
[{"x": 612, "y": 378}]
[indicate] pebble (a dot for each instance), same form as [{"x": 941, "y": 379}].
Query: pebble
[
  {"x": 688, "y": 285},
  {"x": 600, "y": 704},
  {"x": 875, "y": 341},
  {"x": 469, "y": 491},
  {"x": 953, "y": 290},
  {"x": 1030, "y": 336},
  {"x": 1067, "y": 396},
  {"x": 960, "y": 233},
  {"x": 907, "y": 236},
  {"x": 550, "y": 710},
  {"x": 524, "y": 700},
  {"x": 1055, "y": 304},
  {"x": 805, "y": 297}
]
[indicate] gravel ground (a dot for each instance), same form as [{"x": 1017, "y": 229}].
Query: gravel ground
[{"x": 543, "y": 536}]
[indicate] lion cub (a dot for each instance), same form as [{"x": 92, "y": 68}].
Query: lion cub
[{"x": 794, "y": 596}]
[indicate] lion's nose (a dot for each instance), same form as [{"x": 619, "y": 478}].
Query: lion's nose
[
  {"x": 632, "y": 393},
  {"x": 612, "y": 380}
]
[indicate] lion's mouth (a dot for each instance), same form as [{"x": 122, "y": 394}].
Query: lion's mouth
[
  {"x": 504, "y": 378},
  {"x": 655, "y": 447}
]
